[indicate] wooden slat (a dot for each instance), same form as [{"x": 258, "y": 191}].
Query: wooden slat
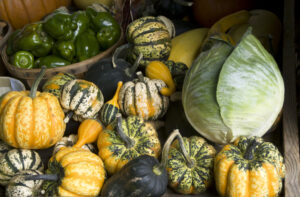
[{"x": 290, "y": 124}]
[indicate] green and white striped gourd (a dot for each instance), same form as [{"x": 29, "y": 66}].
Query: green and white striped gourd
[
  {"x": 19, "y": 187},
  {"x": 4, "y": 148},
  {"x": 69, "y": 141},
  {"x": 178, "y": 71},
  {"x": 110, "y": 109},
  {"x": 141, "y": 97},
  {"x": 82, "y": 98},
  {"x": 17, "y": 160},
  {"x": 150, "y": 36}
]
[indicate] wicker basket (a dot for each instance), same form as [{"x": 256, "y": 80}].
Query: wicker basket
[{"x": 77, "y": 69}]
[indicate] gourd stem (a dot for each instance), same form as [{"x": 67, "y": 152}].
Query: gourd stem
[
  {"x": 165, "y": 151},
  {"x": 36, "y": 82},
  {"x": 140, "y": 76},
  {"x": 129, "y": 71},
  {"x": 128, "y": 142},
  {"x": 117, "y": 53},
  {"x": 249, "y": 151},
  {"x": 184, "y": 3},
  {"x": 68, "y": 116},
  {"x": 190, "y": 163},
  {"x": 47, "y": 177},
  {"x": 114, "y": 100}
]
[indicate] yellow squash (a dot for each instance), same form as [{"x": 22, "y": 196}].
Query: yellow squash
[
  {"x": 31, "y": 120},
  {"x": 158, "y": 70},
  {"x": 186, "y": 46},
  {"x": 88, "y": 132}
]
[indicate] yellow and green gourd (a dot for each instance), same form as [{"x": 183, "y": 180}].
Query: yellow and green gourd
[
  {"x": 249, "y": 167},
  {"x": 110, "y": 109},
  {"x": 131, "y": 138},
  {"x": 149, "y": 36},
  {"x": 142, "y": 97}
]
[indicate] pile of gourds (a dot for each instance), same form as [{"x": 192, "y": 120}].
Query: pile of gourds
[{"x": 118, "y": 105}]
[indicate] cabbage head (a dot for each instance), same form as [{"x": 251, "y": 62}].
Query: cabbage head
[{"x": 233, "y": 91}]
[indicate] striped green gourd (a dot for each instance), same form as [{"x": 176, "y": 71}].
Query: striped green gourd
[
  {"x": 18, "y": 186},
  {"x": 149, "y": 36},
  {"x": 82, "y": 98},
  {"x": 17, "y": 160},
  {"x": 178, "y": 71},
  {"x": 4, "y": 148},
  {"x": 110, "y": 109},
  {"x": 55, "y": 84},
  {"x": 142, "y": 97}
]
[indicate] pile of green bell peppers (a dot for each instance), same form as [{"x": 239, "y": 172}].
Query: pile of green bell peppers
[{"x": 63, "y": 38}]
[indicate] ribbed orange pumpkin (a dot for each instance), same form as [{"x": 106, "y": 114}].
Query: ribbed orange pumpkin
[
  {"x": 21, "y": 12},
  {"x": 31, "y": 120}
]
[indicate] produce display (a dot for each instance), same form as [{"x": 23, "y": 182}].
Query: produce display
[
  {"x": 63, "y": 38},
  {"x": 161, "y": 114}
]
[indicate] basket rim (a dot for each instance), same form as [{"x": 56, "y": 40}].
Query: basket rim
[{"x": 76, "y": 68}]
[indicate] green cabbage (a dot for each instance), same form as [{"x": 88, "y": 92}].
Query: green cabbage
[{"x": 230, "y": 92}]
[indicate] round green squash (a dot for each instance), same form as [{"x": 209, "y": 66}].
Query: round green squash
[
  {"x": 18, "y": 186},
  {"x": 55, "y": 84},
  {"x": 190, "y": 163},
  {"x": 151, "y": 37},
  {"x": 83, "y": 98},
  {"x": 17, "y": 160},
  {"x": 132, "y": 137},
  {"x": 142, "y": 97}
]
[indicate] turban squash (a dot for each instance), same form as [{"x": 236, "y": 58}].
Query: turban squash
[
  {"x": 31, "y": 120},
  {"x": 21, "y": 12},
  {"x": 249, "y": 167}
]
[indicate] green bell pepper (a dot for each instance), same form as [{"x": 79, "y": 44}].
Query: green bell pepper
[
  {"x": 108, "y": 36},
  {"x": 86, "y": 45},
  {"x": 64, "y": 49},
  {"x": 51, "y": 61},
  {"x": 23, "y": 59},
  {"x": 60, "y": 26},
  {"x": 10, "y": 49},
  {"x": 32, "y": 38},
  {"x": 81, "y": 19},
  {"x": 100, "y": 19}
]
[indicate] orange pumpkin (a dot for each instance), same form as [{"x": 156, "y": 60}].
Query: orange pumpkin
[
  {"x": 31, "y": 120},
  {"x": 21, "y": 12}
]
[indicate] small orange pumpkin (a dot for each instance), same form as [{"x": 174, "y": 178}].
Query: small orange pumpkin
[
  {"x": 21, "y": 12},
  {"x": 31, "y": 120}
]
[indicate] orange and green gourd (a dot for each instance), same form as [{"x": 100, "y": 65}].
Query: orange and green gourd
[
  {"x": 110, "y": 109},
  {"x": 142, "y": 97},
  {"x": 249, "y": 167},
  {"x": 132, "y": 137},
  {"x": 31, "y": 119}
]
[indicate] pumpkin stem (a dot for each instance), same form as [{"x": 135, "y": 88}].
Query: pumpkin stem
[
  {"x": 120, "y": 52},
  {"x": 37, "y": 81},
  {"x": 184, "y": 3},
  {"x": 128, "y": 141},
  {"x": 129, "y": 71},
  {"x": 68, "y": 116},
  {"x": 47, "y": 177},
  {"x": 140, "y": 76},
  {"x": 188, "y": 159}
]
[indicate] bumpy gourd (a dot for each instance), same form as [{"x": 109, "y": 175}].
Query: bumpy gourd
[
  {"x": 132, "y": 138},
  {"x": 142, "y": 97},
  {"x": 249, "y": 167}
]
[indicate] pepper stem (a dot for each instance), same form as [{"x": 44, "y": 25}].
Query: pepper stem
[
  {"x": 37, "y": 81},
  {"x": 140, "y": 76},
  {"x": 118, "y": 53},
  {"x": 47, "y": 177},
  {"x": 128, "y": 141}
]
